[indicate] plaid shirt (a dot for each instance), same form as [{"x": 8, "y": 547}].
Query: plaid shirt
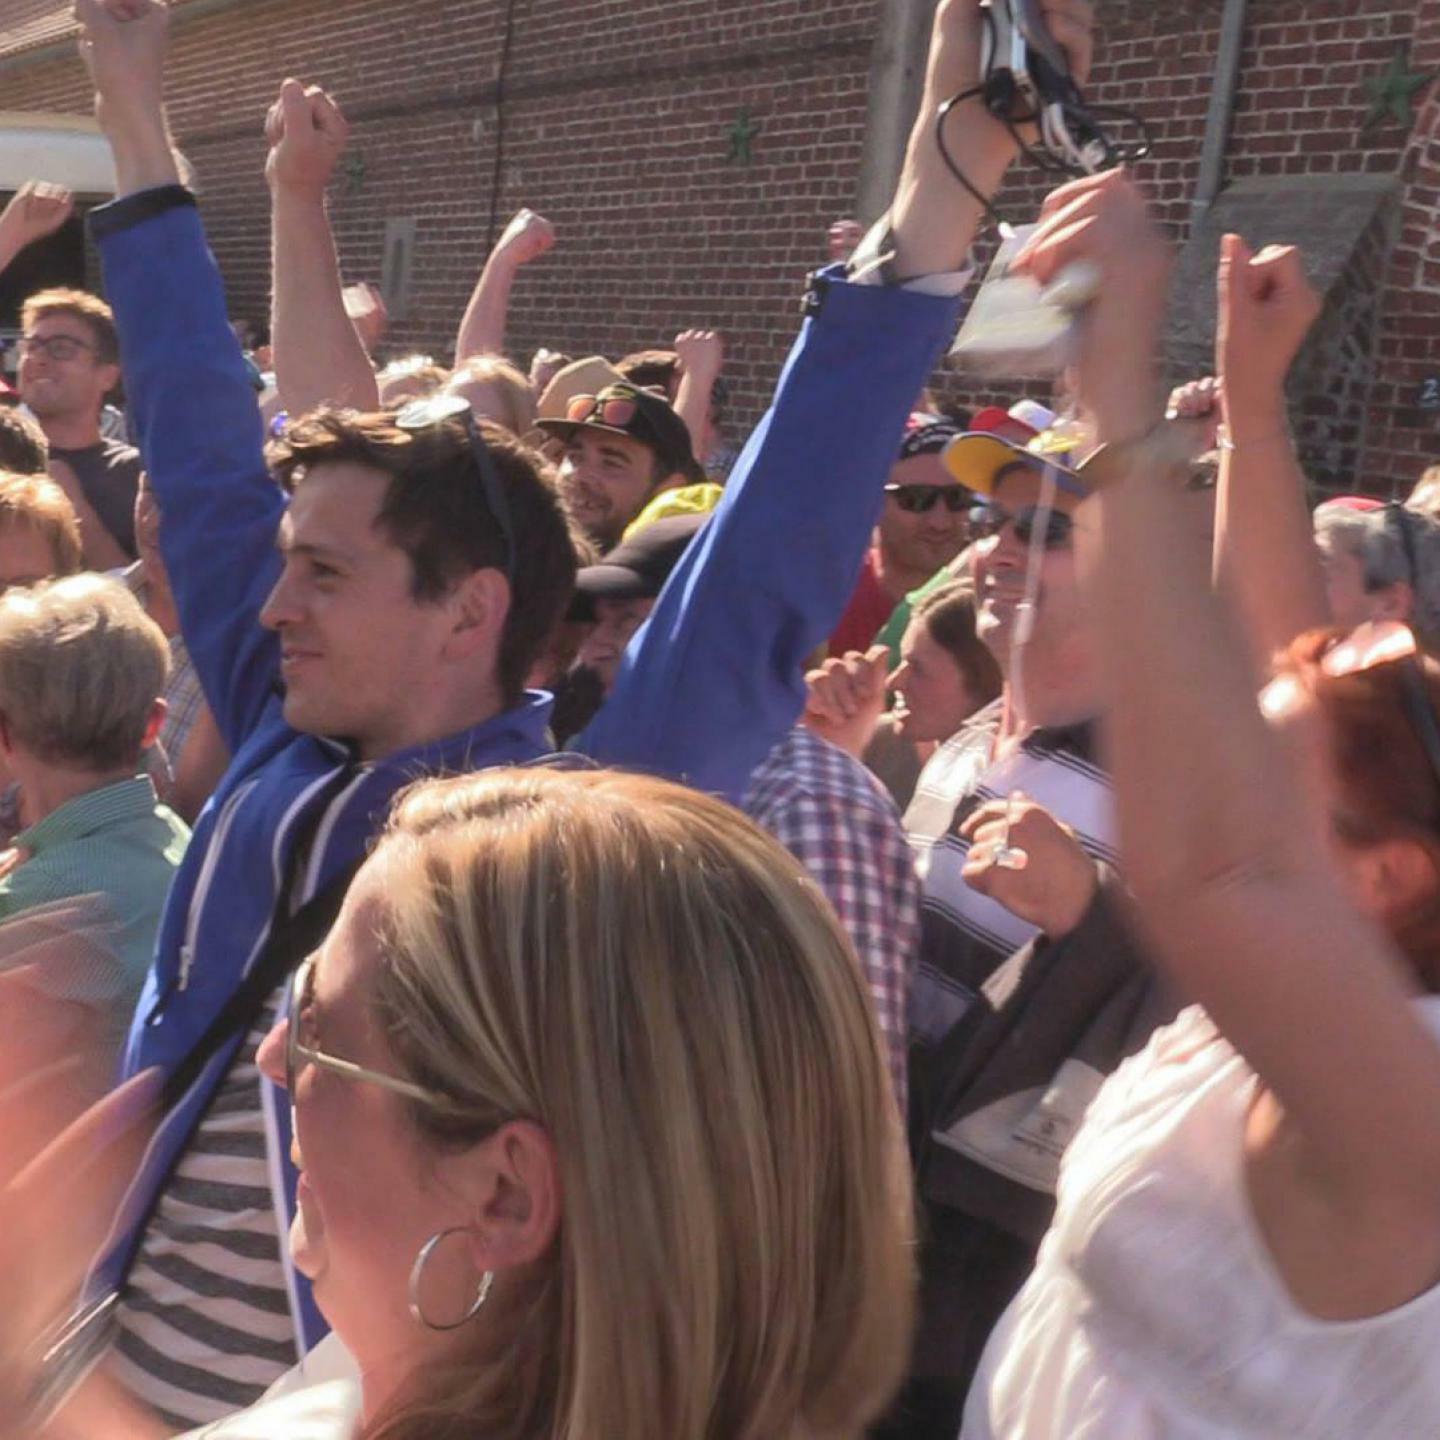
[{"x": 828, "y": 810}]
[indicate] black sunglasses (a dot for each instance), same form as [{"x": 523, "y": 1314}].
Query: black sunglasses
[
  {"x": 433, "y": 410},
  {"x": 992, "y": 519},
  {"x": 922, "y": 499}
]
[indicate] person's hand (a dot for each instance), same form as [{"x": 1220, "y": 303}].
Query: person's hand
[
  {"x": 1102, "y": 226},
  {"x": 365, "y": 306},
  {"x": 846, "y": 697},
  {"x": 306, "y": 131},
  {"x": 57, "y": 1209},
  {"x": 1267, "y": 306},
  {"x": 1055, "y": 887},
  {"x": 123, "y": 44},
  {"x": 37, "y": 209},
  {"x": 701, "y": 352},
  {"x": 1199, "y": 403},
  {"x": 527, "y": 237},
  {"x": 545, "y": 364},
  {"x": 959, "y": 27}
]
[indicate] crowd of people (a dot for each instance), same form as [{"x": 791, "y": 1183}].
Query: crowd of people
[{"x": 523, "y": 919}]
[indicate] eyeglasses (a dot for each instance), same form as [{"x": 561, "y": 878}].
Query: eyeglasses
[
  {"x": 992, "y": 519},
  {"x": 431, "y": 410},
  {"x": 302, "y": 1043},
  {"x": 1388, "y": 642},
  {"x": 922, "y": 499},
  {"x": 55, "y": 347},
  {"x": 615, "y": 410}
]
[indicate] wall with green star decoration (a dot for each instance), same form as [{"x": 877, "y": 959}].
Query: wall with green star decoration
[
  {"x": 743, "y": 134},
  {"x": 1394, "y": 94}
]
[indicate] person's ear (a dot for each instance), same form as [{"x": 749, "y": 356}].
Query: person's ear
[
  {"x": 155, "y": 723},
  {"x": 1393, "y": 602},
  {"x": 108, "y": 374},
  {"x": 512, "y": 1190},
  {"x": 479, "y": 606},
  {"x": 1397, "y": 876}
]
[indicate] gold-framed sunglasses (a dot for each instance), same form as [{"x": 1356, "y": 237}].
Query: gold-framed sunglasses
[{"x": 302, "y": 1043}]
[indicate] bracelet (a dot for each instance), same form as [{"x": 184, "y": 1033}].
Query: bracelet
[{"x": 1227, "y": 443}]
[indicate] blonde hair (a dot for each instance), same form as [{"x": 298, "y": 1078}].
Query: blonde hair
[
  {"x": 656, "y": 982},
  {"x": 516, "y": 407},
  {"x": 38, "y": 502},
  {"x": 81, "y": 667}
]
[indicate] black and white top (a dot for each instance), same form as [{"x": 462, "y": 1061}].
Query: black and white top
[
  {"x": 205, "y": 1326},
  {"x": 965, "y": 935}
]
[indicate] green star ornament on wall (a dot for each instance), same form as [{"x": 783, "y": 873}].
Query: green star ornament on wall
[
  {"x": 742, "y": 138},
  {"x": 1394, "y": 92}
]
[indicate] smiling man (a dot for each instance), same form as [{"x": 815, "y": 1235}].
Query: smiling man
[
  {"x": 69, "y": 363},
  {"x": 923, "y": 526},
  {"x": 622, "y": 446}
]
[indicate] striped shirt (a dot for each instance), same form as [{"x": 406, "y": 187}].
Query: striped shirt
[
  {"x": 965, "y": 935},
  {"x": 205, "y": 1326}
]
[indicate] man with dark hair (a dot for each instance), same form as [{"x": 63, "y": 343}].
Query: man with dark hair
[
  {"x": 69, "y": 363},
  {"x": 621, "y": 447},
  {"x": 705, "y": 691}
]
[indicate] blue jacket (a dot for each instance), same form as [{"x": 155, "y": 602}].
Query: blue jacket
[{"x": 708, "y": 686}]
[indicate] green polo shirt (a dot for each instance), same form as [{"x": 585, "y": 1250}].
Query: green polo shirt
[{"x": 120, "y": 845}]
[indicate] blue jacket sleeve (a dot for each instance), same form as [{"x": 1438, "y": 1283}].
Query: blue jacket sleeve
[
  {"x": 201, "y": 438},
  {"x": 715, "y": 678}
]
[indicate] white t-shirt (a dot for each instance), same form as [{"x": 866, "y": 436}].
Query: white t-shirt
[
  {"x": 1155, "y": 1311},
  {"x": 319, "y": 1400}
]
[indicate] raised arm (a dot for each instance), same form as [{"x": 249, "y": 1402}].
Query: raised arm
[
  {"x": 319, "y": 356},
  {"x": 702, "y": 355},
  {"x": 188, "y": 389},
  {"x": 37, "y": 209},
  {"x": 1265, "y": 555},
  {"x": 482, "y": 328},
  {"x": 1227, "y": 847},
  {"x": 716, "y": 676}
]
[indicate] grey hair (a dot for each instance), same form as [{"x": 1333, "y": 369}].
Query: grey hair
[
  {"x": 1365, "y": 535},
  {"x": 81, "y": 667},
  {"x": 1392, "y": 545}
]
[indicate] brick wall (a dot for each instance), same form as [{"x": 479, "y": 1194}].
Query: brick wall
[
  {"x": 1300, "y": 109},
  {"x": 617, "y": 126}
]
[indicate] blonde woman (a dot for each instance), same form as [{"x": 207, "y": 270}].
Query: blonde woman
[{"x": 594, "y": 1133}]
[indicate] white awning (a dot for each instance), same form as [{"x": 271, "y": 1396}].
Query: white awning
[{"x": 67, "y": 149}]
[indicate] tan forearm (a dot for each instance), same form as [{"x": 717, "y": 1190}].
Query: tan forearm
[{"x": 319, "y": 358}]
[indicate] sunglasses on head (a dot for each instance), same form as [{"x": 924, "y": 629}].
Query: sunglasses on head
[
  {"x": 616, "y": 411},
  {"x": 922, "y": 499},
  {"x": 992, "y": 519},
  {"x": 434, "y": 410}
]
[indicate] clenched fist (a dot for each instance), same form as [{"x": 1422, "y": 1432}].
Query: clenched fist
[{"x": 306, "y": 131}]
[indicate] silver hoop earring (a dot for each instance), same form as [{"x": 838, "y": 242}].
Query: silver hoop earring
[{"x": 417, "y": 1273}]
